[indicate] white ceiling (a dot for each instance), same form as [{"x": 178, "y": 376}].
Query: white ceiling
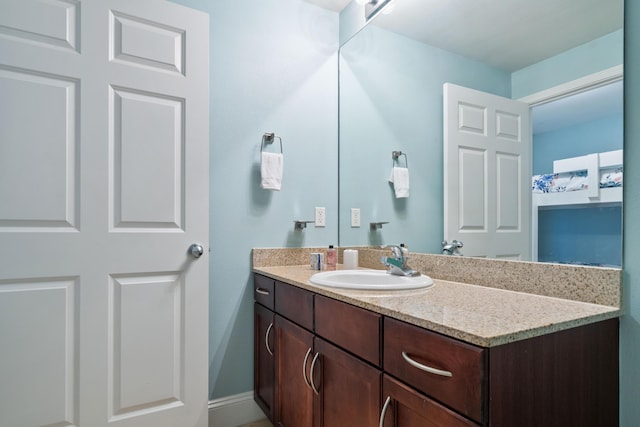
[
  {"x": 335, "y": 5},
  {"x": 508, "y": 34},
  {"x": 512, "y": 34}
]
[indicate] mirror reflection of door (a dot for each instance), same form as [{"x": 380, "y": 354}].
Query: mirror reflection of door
[
  {"x": 577, "y": 125},
  {"x": 487, "y": 164},
  {"x": 567, "y": 226}
]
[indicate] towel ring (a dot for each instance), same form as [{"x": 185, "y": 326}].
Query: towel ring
[
  {"x": 269, "y": 138},
  {"x": 396, "y": 154}
]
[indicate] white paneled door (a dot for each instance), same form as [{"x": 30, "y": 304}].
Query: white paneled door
[
  {"x": 103, "y": 189},
  {"x": 487, "y": 173}
]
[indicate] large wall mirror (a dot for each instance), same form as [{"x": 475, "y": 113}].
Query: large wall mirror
[{"x": 391, "y": 99}]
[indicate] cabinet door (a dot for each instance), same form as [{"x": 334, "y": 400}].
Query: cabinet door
[
  {"x": 405, "y": 407},
  {"x": 294, "y": 397},
  {"x": 264, "y": 361},
  {"x": 349, "y": 389}
]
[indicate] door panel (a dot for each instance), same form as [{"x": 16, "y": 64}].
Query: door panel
[
  {"x": 147, "y": 352},
  {"x": 39, "y": 362},
  {"x": 103, "y": 182},
  {"x": 472, "y": 202},
  {"x": 508, "y": 193},
  {"x": 140, "y": 42},
  {"x": 147, "y": 125},
  {"x": 48, "y": 23},
  {"x": 39, "y": 177}
]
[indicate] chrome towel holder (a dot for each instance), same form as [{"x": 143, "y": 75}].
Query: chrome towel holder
[
  {"x": 269, "y": 138},
  {"x": 396, "y": 154}
]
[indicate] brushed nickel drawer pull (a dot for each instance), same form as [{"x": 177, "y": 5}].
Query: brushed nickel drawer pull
[
  {"x": 262, "y": 291},
  {"x": 425, "y": 368},
  {"x": 266, "y": 338},
  {"x": 311, "y": 372},
  {"x": 384, "y": 410},
  {"x": 304, "y": 368}
]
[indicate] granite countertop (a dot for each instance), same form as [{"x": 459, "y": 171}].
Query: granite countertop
[{"x": 479, "y": 315}]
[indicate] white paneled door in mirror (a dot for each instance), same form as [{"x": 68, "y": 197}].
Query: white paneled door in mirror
[
  {"x": 103, "y": 188},
  {"x": 487, "y": 157}
]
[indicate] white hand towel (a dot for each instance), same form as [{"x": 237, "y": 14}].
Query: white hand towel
[
  {"x": 400, "y": 179},
  {"x": 271, "y": 170}
]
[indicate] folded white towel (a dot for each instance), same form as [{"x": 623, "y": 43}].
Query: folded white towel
[
  {"x": 271, "y": 170},
  {"x": 400, "y": 179}
]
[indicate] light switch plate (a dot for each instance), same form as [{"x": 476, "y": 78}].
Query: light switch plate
[
  {"x": 355, "y": 217},
  {"x": 321, "y": 219}
]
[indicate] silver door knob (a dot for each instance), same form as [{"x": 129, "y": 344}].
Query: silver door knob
[{"x": 196, "y": 250}]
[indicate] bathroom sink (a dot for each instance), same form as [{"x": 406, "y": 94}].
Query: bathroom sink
[{"x": 369, "y": 280}]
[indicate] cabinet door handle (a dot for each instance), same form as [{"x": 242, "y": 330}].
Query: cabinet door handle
[
  {"x": 384, "y": 410},
  {"x": 304, "y": 368},
  {"x": 312, "y": 371},
  {"x": 425, "y": 368},
  {"x": 266, "y": 338},
  {"x": 262, "y": 291}
]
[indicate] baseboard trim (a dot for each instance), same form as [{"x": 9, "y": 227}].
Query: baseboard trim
[{"x": 233, "y": 411}]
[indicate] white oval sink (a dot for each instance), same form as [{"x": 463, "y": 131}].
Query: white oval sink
[{"x": 369, "y": 280}]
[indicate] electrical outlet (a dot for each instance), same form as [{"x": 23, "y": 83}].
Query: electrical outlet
[
  {"x": 355, "y": 217},
  {"x": 321, "y": 219}
]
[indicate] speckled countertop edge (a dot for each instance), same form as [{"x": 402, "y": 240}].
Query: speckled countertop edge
[{"x": 480, "y": 315}]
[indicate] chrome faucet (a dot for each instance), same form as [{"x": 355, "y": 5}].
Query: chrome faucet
[
  {"x": 451, "y": 248},
  {"x": 397, "y": 264}
]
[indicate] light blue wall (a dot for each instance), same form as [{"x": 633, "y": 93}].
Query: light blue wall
[
  {"x": 590, "y": 236},
  {"x": 604, "y": 134},
  {"x": 630, "y": 324},
  {"x": 273, "y": 68},
  {"x": 589, "y": 58},
  {"x": 391, "y": 99}
]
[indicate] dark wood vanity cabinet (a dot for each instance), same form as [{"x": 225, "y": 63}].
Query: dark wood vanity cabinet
[
  {"x": 565, "y": 378},
  {"x": 264, "y": 345},
  {"x": 323, "y": 362},
  {"x": 317, "y": 381}
]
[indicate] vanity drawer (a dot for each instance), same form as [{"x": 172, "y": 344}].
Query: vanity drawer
[
  {"x": 355, "y": 329},
  {"x": 295, "y": 304},
  {"x": 409, "y": 352},
  {"x": 263, "y": 290}
]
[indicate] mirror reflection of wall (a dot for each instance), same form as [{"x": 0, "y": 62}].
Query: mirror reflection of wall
[
  {"x": 583, "y": 123},
  {"x": 391, "y": 99}
]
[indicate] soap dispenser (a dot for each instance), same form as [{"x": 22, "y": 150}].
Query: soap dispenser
[
  {"x": 405, "y": 250},
  {"x": 332, "y": 258}
]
